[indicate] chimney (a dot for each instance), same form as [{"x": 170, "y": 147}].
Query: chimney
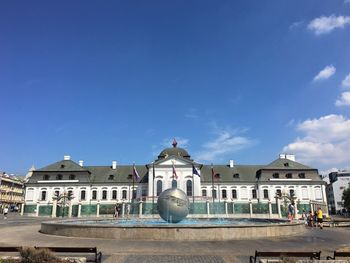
[
  {"x": 290, "y": 157},
  {"x": 232, "y": 163},
  {"x": 66, "y": 157},
  {"x": 114, "y": 165},
  {"x": 282, "y": 156},
  {"x": 81, "y": 163}
]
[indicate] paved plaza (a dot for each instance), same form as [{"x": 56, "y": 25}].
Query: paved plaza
[{"x": 24, "y": 231}]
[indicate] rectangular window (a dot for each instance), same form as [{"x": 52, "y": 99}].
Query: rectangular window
[
  {"x": 214, "y": 194},
  {"x": 204, "y": 192},
  {"x": 224, "y": 193}
]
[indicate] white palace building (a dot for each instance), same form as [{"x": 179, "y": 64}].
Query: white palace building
[{"x": 67, "y": 188}]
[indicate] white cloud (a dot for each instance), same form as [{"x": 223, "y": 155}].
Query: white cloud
[
  {"x": 324, "y": 24},
  {"x": 295, "y": 25},
  {"x": 346, "y": 82},
  {"x": 325, "y": 73},
  {"x": 326, "y": 141},
  {"x": 226, "y": 142},
  {"x": 346, "y": 1},
  {"x": 344, "y": 100}
]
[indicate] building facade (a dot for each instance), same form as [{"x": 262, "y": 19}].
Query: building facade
[
  {"x": 230, "y": 189},
  {"x": 338, "y": 182},
  {"x": 11, "y": 192}
]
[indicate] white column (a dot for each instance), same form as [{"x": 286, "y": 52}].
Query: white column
[
  {"x": 37, "y": 209},
  {"x": 22, "y": 209},
  {"x": 54, "y": 208},
  {"x": 270, "y": 208},
  {"x": 79, "y": 209},
  {"x": 140, "y": 208},
  {"x": 279, "y": 208},
  {"x": 70, "y": 209},
  {"x": 98, "y": 209},
  {"x": 123, "y": 209},
  {"x": 233, "y": 207},
  {"x": 250, "y": 208},
  {"x": 226, "y": 209},
  {"x": 208, "y": 208}
]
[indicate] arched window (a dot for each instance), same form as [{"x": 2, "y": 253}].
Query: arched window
[
  {"x": 213, "y": 193},
  {"x": 43, "y": 195},
  {"x": 234, "y": 194},
  {"x": 291, "y": 192},
  {"x": 114, "y": 194},
  {"x": 82, "y": 195},
  {"x": 124, "y": 194},
  {"x": 204, "y": 192},
  {"x": 254, "y": 196},
  {"x": 266, "y": 194},
  {"x": 59, "y": 177},
  {"x": 189, "y": 188},
  {"x": 57, "y": 192},
  {"x": 94, "y": 194},
  {"x": 104, "y": 194},
  {"x": 72, "y": 177},
  {"x": 46, "y": 177},
  {"x": 278, "y": 192},
  {"x": 174, "y": 184},
  {"x": 159, "y": 187},
  {"x": 224, "y": 193}
]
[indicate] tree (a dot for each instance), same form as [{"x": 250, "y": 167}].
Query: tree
[{"x": 346, "y": 198}]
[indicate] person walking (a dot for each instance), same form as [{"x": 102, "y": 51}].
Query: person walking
[
  {"x": 320, "y": 218},
  {"x": 116, "y": 211},
  {"x": 6, "y": 210}
]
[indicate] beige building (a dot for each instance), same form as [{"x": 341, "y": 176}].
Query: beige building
[{"x": 11, "y": 191}]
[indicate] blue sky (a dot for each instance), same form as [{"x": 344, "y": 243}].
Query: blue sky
[{"x": 117, "y": 80}]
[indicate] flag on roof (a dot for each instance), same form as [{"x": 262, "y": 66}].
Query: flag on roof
[
  {"x": 135, "y": 174},
  {"x": 195, "y": 171},
  {"x": 174, "y": 172},
  {"x": 214, "y": 176}
]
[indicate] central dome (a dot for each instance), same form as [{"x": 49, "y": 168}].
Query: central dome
[{"x": 174, "y": 151}]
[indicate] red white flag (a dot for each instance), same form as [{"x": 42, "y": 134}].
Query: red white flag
[{"x": 174, "y": 172}]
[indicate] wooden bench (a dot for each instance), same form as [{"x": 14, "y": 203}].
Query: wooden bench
[
  {"x": 284, "y": 254},
  {"x": 80, "y": 251},
  {"x": 339, "y": 254}
]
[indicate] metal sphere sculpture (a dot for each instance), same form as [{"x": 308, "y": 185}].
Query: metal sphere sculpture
[{"x": 173, "y": 205}]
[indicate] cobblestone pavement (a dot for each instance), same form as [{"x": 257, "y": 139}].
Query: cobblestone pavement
[{"x": 24, "y": 231}]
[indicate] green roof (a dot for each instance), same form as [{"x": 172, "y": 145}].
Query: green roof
[
  {"x": 286, "y": 164},
  {"x": 64, "y": 165},
  {"x": 224, "y": 173},
  {"x": 122, "y": 174}
]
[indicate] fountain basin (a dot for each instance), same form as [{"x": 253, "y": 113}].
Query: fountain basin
[{"x": 189, "y": 230}]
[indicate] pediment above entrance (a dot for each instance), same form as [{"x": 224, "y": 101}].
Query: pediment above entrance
[{"x": 174, "y": 160}]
